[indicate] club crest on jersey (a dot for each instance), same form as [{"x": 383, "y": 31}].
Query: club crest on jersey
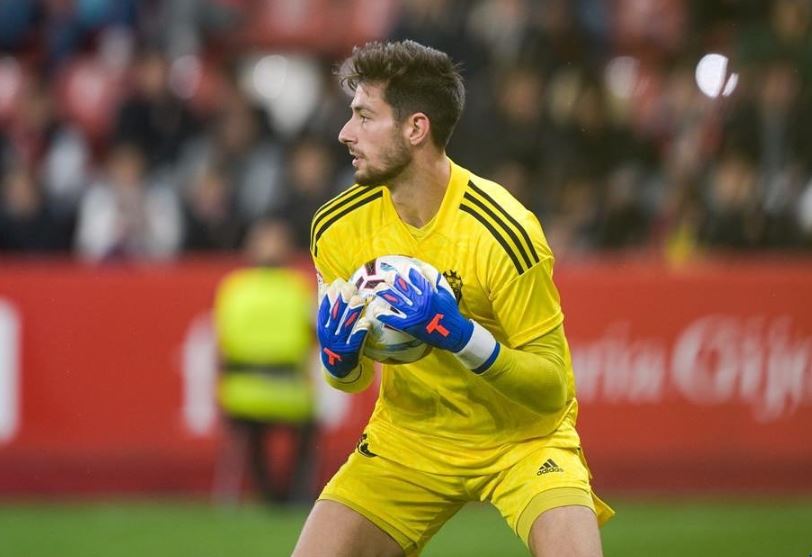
[{"x": 455, "y": 281}]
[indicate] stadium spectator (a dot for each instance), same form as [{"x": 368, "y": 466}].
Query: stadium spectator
[
  {"x": 311, "y": 182},
  {"x": 570, "y": 226},
  {"x": 263, "y": 319},
  {"x": 122, "y": 216},
  {"x": 27, "y": 223},
  {"x": 623, "y": 221},
  {"x": 579, "y": 87},
  {"x": 733, "y": 219},
  {"x": 33, "y": 123},
  {"x": 210, "y": 221},
  {"x": 442, "y": 24},
  {"x": 185, "y": 27},
  {"x": 512, "y": 130},
  {"x": 515, "y": 32},
  {"x": 66, "y": 170},
  {"x": 151, "y": 117},
  {"x": 774, "y": 129},
  {"x": 240, "y": 141}
]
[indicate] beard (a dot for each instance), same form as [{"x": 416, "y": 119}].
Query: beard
[{"x": 394, "y": 159}]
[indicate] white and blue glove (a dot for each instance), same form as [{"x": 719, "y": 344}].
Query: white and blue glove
[
  {"x": 430, "y": 313},
  {"x": 341, "y": 328}
]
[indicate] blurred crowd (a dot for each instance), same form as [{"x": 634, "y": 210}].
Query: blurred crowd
[{"x": 149, "y": 129}]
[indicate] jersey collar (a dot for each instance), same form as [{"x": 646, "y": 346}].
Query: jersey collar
[{"x": 448, "y": 207}]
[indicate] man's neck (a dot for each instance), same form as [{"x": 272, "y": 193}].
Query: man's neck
[{"x": 418, "y": 191}]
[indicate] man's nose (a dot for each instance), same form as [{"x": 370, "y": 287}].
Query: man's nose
[{"x": 344, "y": 135}]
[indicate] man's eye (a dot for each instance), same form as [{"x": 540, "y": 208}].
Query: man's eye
[{"x": 364, "y": 119}]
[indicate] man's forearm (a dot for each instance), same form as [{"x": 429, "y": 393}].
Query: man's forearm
[{"x": 533, "y": 375}]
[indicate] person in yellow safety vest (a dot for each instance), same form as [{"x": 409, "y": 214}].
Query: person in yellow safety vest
[{"x": 263, "y": 320}]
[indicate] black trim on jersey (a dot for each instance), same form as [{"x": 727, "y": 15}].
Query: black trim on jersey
[
  {"x": 342, "y": 200},
  {"x": 335, "y": 203},
  {"x": 509, "y": 217},
  {"x": 335, "y": 217},
  {"x": 331, "y": 204},
  {"x": 502, "y": 224},
  {"x": 499, "y": 238}
]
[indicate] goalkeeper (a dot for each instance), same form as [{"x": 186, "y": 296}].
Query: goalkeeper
[{"x": 489, "y": 414}]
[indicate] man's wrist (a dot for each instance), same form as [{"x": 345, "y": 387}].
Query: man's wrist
[
  {"x": 348, "y": 377},
  {"x": 480, "y": 351}
]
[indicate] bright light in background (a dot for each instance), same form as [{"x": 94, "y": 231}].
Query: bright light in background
[
  {"x": 730, "y": 86},
  {"x": 185, "y": 75},
  {"x": 288, "y": 86},
  {"x": 712, "y": 77},
  {"x": 621, "y": 76},
  {"x": 269, "y": 76}
]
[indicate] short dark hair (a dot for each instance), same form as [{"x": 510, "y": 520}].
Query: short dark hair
[{"x": 415, "y": 78}]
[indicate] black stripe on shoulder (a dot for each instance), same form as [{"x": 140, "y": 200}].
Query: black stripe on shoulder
[
  {"x": 335, "y": 216},
  {"x": 499, "y": 238},
  {"x": 509, "y": 217},
  {"x": 337, "y": 199},
  {"x": 332, "y": 206},
  {"x": 502, "y": 224}
]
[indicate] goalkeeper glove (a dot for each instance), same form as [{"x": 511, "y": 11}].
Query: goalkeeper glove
[
  {"x": 342, "y": 330},
  {"x": 430, "y": 313}
]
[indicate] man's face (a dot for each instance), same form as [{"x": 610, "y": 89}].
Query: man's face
[{"x": 374, "y": 138}]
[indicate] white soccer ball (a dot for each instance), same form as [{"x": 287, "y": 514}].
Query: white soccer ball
[{"x": 385, "y": 344}]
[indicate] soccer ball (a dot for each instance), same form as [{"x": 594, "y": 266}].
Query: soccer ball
[{"x": 385, "y": 344}]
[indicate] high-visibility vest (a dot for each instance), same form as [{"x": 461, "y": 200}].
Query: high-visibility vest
[{"x": 263, "y": 318}]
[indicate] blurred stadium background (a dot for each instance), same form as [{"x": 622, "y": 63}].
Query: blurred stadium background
[{"x": 665, "y": 145}]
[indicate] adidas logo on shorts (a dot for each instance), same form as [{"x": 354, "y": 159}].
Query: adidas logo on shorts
[
  {"x": 548, "y": 466},
  {"x": 363, "y": 447}
]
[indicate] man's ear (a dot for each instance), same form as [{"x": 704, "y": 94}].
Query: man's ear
[{"x": 417, "y": 129}]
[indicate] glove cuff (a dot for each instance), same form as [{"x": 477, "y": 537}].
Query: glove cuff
[
  {"x": 480, "y": 351},
  {"x": 350, "y": 377}
]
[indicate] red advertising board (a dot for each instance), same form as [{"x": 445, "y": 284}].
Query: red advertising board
[
  {"x": 694, "y": 378},
  {"x": 697, "y": 378}
]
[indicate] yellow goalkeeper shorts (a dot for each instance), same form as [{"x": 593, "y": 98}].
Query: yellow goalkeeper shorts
[{"x": 411, "y": 505}]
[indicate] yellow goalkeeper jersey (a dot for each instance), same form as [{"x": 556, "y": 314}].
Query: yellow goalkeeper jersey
[{"x": 436, "y": 413}]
